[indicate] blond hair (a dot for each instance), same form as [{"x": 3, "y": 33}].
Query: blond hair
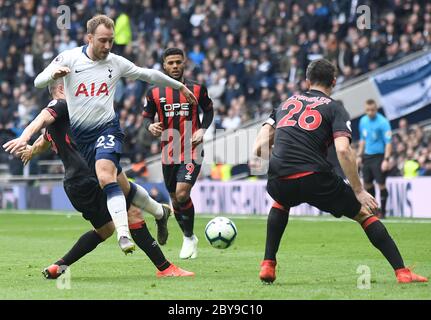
[{"x": 96, "y": 21}]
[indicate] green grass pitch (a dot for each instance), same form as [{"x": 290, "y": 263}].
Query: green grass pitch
[{"x": 318, "y": 259}]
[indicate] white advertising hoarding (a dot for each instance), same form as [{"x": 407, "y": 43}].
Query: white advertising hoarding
[{"x": 407, "y": 198}]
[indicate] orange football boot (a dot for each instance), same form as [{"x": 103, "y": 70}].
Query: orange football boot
[
  {"x": 405, "y": 275},
  {"x": 267, "y": 271},
  {"x": 174, "y": 271},
  {"x": 53, "y": 271}
]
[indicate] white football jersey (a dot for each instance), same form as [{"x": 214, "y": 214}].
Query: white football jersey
[{"x": 90, "y": 86}]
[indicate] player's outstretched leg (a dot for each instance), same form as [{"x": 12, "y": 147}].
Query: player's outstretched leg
[
  {"x": 146, "y": 242},
  {"x": 380, "y": 238},
  {"x": 140, "y": 198},
  {"x": 277, "y": 221},
  {"x": 85, "y": 244}
]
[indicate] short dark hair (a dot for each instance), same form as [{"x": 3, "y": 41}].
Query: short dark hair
[
  {"x": 171, "y": 52},
  {"x": 321, "y": 71}
]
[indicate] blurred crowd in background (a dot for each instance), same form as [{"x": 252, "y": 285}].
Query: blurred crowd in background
[
  {"x": 411, "y": 151},
  {"x": 250, "y": 54}
]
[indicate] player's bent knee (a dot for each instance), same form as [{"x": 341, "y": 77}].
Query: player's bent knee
[
  {"x": 105, "y": 179},
  {"x": 134, "y": 215},
  {"x": 362, "y": 215},
  {"x": 106, "y": 172},
  {"x": 182, "y": 196},
  {"x": 134, "y": 220}
]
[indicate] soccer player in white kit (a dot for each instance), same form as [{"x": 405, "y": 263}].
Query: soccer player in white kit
[{"x": 91, "y": 73}]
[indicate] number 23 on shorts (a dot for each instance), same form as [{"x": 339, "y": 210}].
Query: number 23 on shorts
[{"x": 107, "y": 142}]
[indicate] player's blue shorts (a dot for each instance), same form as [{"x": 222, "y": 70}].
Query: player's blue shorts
[{"x": 107, "y": 144}]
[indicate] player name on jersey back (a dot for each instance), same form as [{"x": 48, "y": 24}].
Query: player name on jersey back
[{"x": 306, "y": 125}]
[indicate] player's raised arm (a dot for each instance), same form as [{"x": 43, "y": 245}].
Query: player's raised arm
[
  {"x": 17, "y": 145},
  {"x": 56, "y": 69},
  {"x": 159, "y": 78},
  {"x": 130, "y": 70}
]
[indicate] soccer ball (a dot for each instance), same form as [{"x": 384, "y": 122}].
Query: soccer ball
[{"x": 220, "y": 232}]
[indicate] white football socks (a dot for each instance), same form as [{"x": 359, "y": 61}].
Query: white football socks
[
  {"x": 118, "y": 209},
  {"x": 143, "y": 200}
]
